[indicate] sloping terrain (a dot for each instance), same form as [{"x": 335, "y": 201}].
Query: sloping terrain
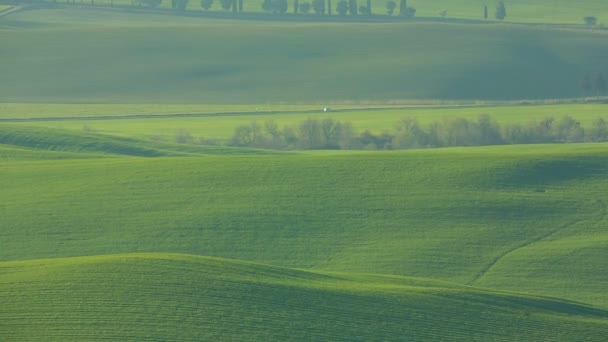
[
  {"x": 15, "y": 141},
  {"x": 459, "y": 215},
  {"x": 153, "y": 297},
  {"x": 122, "y": 58},
  {"x": 131, "y": 228}
]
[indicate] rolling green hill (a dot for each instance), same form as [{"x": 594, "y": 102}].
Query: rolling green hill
[
  {"x": 118, "y": 221},
  {"x": 461, "y": 215},
  {"x": 185, "y": 298},
  {"x": 23, "y": 141},
  {"x": 130, "y": 58},
  {"x": 13, "y": 153}
]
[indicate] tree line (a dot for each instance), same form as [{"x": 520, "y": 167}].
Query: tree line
[
  {"x": 319, "y": 7},
  {"x": 330, "y": 134}
]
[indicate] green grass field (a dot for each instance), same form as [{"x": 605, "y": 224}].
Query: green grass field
[
  {"x": 190, "y": 298},
  {"x": 458, "y": 208},
  {"x": 123, "y": 58},
  {"x": 102, "y": 118},
  {"x": 520, "y": 11},
  {"x": 111, "y": 230}
]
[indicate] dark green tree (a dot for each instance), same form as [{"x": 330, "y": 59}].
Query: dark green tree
[
  {"x": 310, "y": 134},
  {"x": 248, "y": 135},
  {"x": 590, "y": 20},
  {"x": 296, "y": 6},
  {"x": 179, "y": 5},
  {"x": 342, "y": 8},
  {"x": 489, "y": 131},
  {"x": 568, "y": 130},
  {"x": 305, "y": 7},
  {"x": 409, "y": 134},
  {"x": 282, "y": 6},
  {"x": 275, "y": 6},
  {"x": 150, "y": 3},
  {"x": 410, "y": 12},
  {"x": 318, "y": 6},
  {"x": 352, "y": 7},
  {"x": 485, "y": 12},
  {"x": 183, "y": 137},
  {"x": 598, "y": 131},
  {"x": 226, "y": 4},
  {"x": 402, "y": 7},
  {"x": 206, "y": 4},
  {"x": 501, "y": 11},
  {"x": 390, "y": 7}
]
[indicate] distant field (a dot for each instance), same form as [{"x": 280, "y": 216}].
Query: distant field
[
  {"x": 534, "y": 11},
  {"x": 87, "y": 56},
  {"x": 222, "y": 126},
  {"x": 79, "y": 110}
]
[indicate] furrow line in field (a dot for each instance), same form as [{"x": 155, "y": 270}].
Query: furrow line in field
[{"x": 602, "y": 214}]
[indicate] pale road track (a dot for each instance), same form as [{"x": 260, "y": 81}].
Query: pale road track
[
  {"x": 213, "y": 114},
  {"x": 10, "y": 10},
  {"x": 601, "y": 216}
]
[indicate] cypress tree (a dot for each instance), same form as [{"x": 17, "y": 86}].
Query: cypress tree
[
  {"x": 501, "y": 11},
  {"x": 403, "y": 7}
]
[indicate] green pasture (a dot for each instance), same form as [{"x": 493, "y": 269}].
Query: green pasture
[
  {"x": 537, "y": 11},
  {"x": 110, "y": 229},
  {"x": 24, "y": 111},
  {"x": 222, "y": 126},
  {"x": 520, "y": 11},
  {"x": 442, "y": 214},
  {"x": 187, "y": 298},
  {"x": 205, "y": 61}
]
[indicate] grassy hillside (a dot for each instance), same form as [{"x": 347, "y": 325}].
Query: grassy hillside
[
  {"x": 533, "y": 11},
  {"x": 456, "y": 214},
  {"x": 15, "y": 139},
  {"x": 117, "y": 222},
  {"x": 114, "y": 59},
  {"x": 186, "y": 298},
  {"x": 12, "y": 153}
]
